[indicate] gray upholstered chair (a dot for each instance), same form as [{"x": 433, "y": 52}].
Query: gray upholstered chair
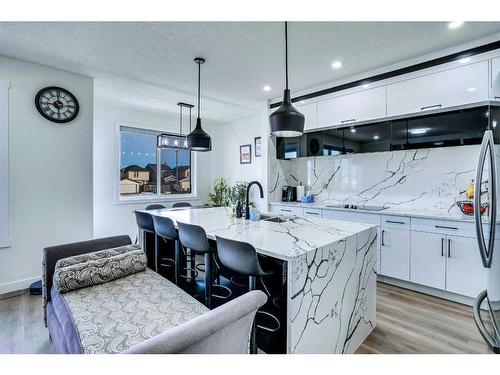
[{"x": 224, "y": 330}]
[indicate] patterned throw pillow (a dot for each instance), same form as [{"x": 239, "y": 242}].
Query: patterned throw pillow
[
  {"x": 106, "y": 253},
  {"x": 98, "y": 271}
]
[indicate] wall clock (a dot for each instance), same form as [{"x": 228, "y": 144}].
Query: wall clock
[{"x": 57, "y": 104}]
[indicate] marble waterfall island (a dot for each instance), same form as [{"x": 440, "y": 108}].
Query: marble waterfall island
[{"x": 329, "y": 269}]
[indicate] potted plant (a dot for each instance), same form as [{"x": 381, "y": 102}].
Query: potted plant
[
  {"x": 238, "y": 196},
  {"x": 221, "y": 194}
]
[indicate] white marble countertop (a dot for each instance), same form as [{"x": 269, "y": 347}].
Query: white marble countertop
[
  {"x": 423, "y": 213},
  {"x": 285, "y": 240}
]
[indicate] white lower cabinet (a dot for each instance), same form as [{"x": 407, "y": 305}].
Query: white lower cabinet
[
  {"x": 447, "y": 262},
  {"x": 428, "y": 261},
  {"x": 464, "y": 269},
  {"x": 287, "y": 210},
  {"x": 395, "y": 252}
]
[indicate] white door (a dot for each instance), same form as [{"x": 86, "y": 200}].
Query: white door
[
  {"x": 462, "y": 85},
  {"x": 465, "y": 273},
  {"x": 309, "y": 112},
  {"x": 495, "y": 78},
  {"x": 351, "y": 108},
  {"x": 395, "y": 253},
  {"x": 428, "y": 259}
]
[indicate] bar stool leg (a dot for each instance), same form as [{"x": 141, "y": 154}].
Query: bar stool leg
[
  {"x": 157, "y": 249},
  {"x": 177, "y": 261},
  {"x": 208, "y": 279}
]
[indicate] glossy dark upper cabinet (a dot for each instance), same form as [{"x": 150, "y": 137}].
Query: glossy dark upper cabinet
[
  {"x": 455, "y": 128},
  {"x": 458, "y": 128}
]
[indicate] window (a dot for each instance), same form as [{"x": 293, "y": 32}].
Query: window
[{"x": 144, "y": 167}]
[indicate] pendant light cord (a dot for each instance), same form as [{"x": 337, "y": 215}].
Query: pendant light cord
[
  {"x": 286, "y": 54},
  {"x": 199, "y": 85}
]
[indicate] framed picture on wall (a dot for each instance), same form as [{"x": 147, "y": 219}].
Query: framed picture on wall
[
  {"x": 258, "y": 147},
  {"x": 245, "y": 154}
]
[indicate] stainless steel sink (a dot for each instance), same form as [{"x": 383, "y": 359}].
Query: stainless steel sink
[
  {"x": 278, "y": 219},
  {"x": 275, "y": 219}
]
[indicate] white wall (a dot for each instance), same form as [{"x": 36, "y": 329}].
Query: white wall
[
  {"x": 50, "y": 171},
  {"x": 226, "y": 159},
  {"x": 112, "y": 217}
]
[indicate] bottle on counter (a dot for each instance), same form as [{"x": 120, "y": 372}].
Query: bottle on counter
[{"x": 300, "y": 191}]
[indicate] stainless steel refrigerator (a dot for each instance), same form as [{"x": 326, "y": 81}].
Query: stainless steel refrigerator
[{"x": 486, "y": 192}]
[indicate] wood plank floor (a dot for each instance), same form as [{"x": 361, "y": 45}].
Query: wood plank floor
[
  {"x": 407, "y": 322},
  {"x": 413, "y": 323}
]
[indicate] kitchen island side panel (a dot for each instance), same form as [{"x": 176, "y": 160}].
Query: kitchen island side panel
[{"x": 332, "y": 299}]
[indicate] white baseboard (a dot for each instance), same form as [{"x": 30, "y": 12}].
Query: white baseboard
[
  {"x": 427, "y": 290},
  {"x": 18, "y": 285}
]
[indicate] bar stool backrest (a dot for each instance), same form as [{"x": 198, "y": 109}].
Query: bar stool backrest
[
  {"x": 239, "y": 256},
  {"x": 181, "y": 204},
  {"x": 154, "y": 206},
  {"x": 164, "y": 227},
  {"x": 144, "y": 221},
  {"x": 193, "y": 237}
]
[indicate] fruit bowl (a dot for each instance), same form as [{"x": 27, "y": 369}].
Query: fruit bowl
[{"x": 467, "y": 207}]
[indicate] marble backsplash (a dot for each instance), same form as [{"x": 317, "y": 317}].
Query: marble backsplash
[{"x": 426, "y": 179}]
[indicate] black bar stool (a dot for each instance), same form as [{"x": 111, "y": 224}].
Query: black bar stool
[
  {"x": 195, "y": 239},
  {"x": 165, "y": 228},
  {"x": 145, "y": 223},
  {"x": 241, "y": 257}
]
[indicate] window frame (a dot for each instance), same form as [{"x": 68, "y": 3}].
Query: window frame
[{"x": 158, "y": 197}]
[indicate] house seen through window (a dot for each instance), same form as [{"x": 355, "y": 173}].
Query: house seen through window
[{"x": 144, "y": 167}]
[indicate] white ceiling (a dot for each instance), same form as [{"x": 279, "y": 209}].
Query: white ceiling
[{"x": 241, "y": 57}]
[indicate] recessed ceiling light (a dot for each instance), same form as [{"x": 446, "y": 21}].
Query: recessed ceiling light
[
  {"x": 353, "y": 130},
  {"x": 470, "y": 89},
  {"x": 455, "y": 24},
  {"x": 376, "y": 137},
  {"x": 365, "y": 86},
  {"x": 336, "y": 64},
  {"x": 418, "y": 131},
  {"x": 465, "y": 60},
  {"x": 302, "y": 102},
  {"x": 266, "y": 88}
]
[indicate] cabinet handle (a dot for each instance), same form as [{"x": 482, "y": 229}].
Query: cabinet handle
[
  {"x": 395, "y": 222},
  {"x": 449, "y": 247},
  {"x": 496, "y": 97},
  {"x": 285, "y": 210},
  {"x": 445, "y": 227},
  {"x": 431, "y": 106},
  {"x": 442, "y": 247},
  {"x": 383, "y": 231},
  {"x": 312, "y": 213},
  {"x": 350, "y": 120}
]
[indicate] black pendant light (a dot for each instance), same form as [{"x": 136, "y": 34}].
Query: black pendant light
[
  {"x": 287, "y": 121},
  {"x": 198, "y": 139}
]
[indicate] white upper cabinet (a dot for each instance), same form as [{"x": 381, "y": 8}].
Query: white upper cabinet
[
  {"x": 360, "y": 106},
  {"x": 495, "y": 78},
  {"x": 457, "y": 86},
  {"x": 310, "y": 113}
]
